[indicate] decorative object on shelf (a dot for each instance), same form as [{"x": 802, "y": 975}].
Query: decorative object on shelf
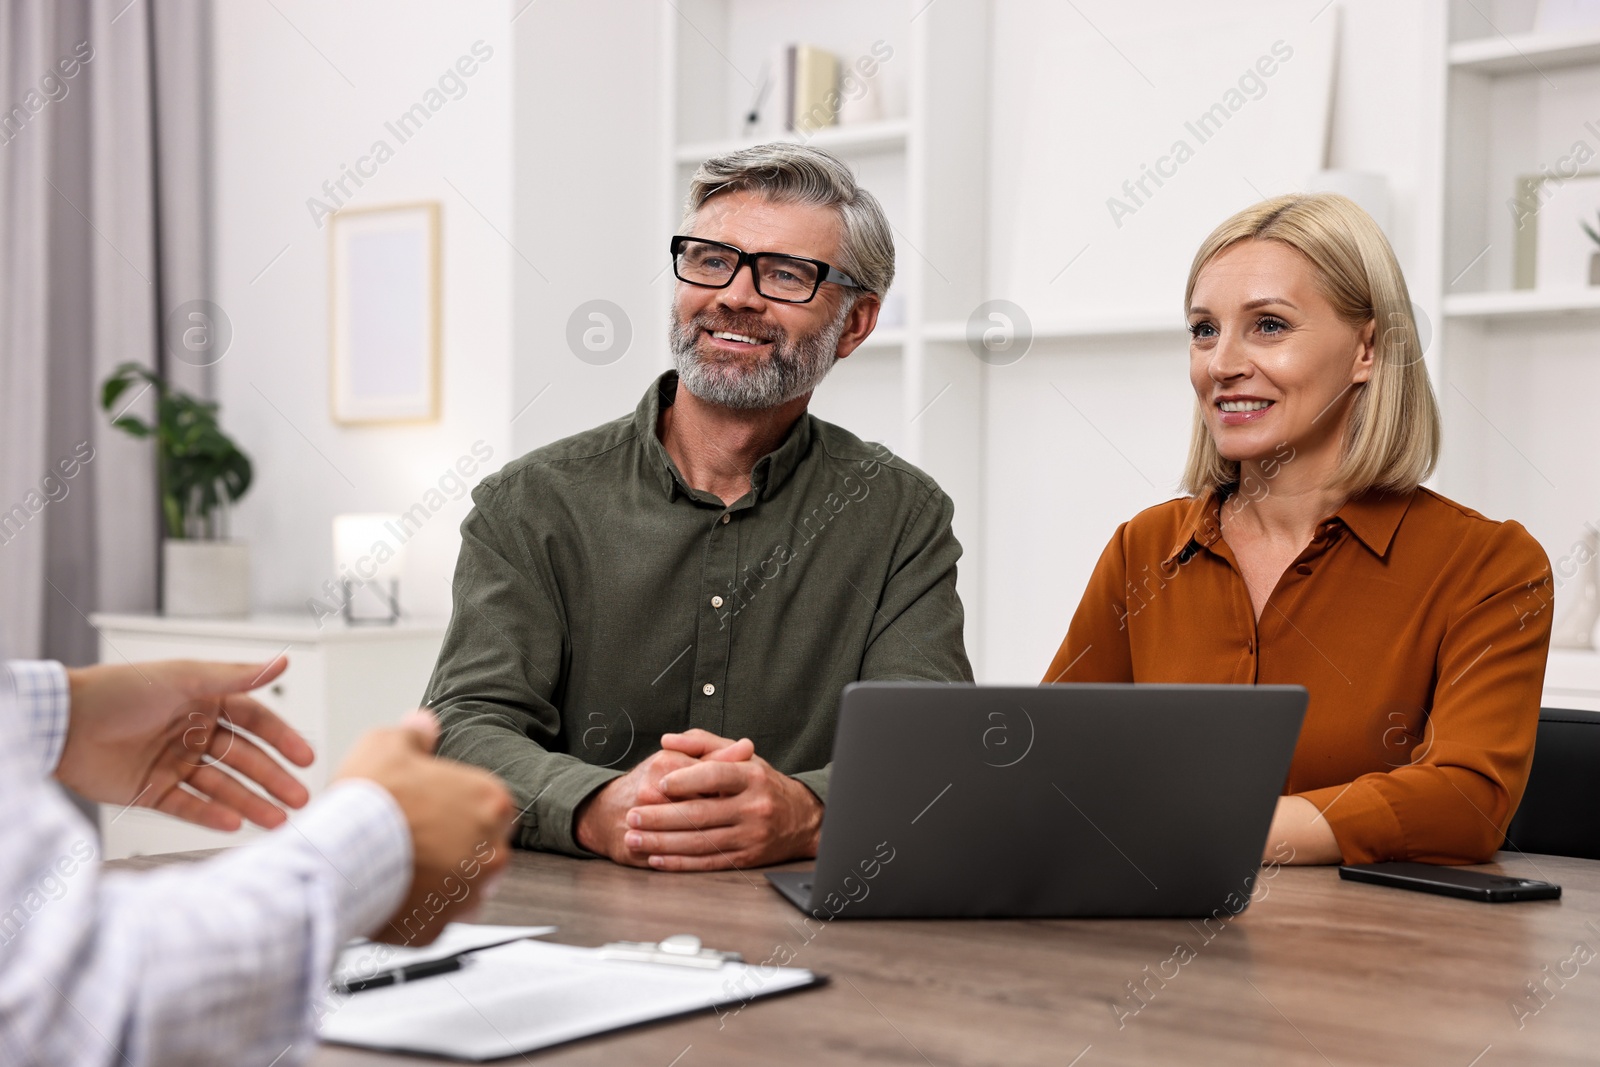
[
  {"x": 862, "y": 103},
  {"x": 1552, "y": 250},
  {"x": 758, "y": 120},
  {"x": 202, "y": 473},
  {"x": 384, "y": 314},
  {"x": 369, "y": 554},
  {"x": 861, "y": 86},
  {"x": 1575, "y": 629},
  {"x": 1594, "y": 254}
]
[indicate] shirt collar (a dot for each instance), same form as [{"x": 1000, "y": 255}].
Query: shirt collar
[
  {"x": 1373, "y": 517},
  {"x": 646, "y": 417},
  {"x": 771, "y": 471},
  {"x": 1201, "y": 528}
]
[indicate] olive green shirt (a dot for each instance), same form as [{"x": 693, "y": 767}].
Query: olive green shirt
[{"x": 601, "y": 602}]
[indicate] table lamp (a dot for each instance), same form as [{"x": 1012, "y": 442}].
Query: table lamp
[{"x": 369, "y": 556}]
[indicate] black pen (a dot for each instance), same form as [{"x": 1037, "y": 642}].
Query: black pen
[{"x": 402, "y": 974}]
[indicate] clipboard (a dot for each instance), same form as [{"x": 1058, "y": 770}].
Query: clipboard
[{"x": 528, "y": 995}]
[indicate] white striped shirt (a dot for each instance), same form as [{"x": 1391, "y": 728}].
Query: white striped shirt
[{"x": 219, "y": 962}]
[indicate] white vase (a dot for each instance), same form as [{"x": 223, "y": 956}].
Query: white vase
[
  {"x": 205, "y": 578},
  {"x": 1575, "y": 628}
]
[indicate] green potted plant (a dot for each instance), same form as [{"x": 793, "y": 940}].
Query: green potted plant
[
  {"x": 201, "y": 473},
  {"x": 1594, "y": 257}
]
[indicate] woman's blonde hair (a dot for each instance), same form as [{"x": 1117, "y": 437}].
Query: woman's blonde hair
[{"x": 1392, "y": 438}]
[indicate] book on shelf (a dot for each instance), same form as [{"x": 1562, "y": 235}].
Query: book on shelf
[
  {"x": 813, "y": 88},
  {"x": 799, "y": 93}
]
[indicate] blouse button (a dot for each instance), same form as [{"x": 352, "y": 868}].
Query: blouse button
[
  {"x": 725, "y": 518},
  {"x": 708, "y": 689},
  {"x": 1303, "y": 569},
  {"x": 716, "y": 602}
]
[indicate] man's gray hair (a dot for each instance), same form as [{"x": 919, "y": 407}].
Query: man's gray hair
[{"x": 798, "y": 174}]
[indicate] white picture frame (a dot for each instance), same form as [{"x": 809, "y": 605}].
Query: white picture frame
[{"x": 383, "y": 272}]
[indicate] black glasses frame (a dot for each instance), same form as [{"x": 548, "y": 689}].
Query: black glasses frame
[{"x": 826, "y": 272}]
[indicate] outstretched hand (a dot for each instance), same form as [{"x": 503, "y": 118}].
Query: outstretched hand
[{"x": 166, "y": 735}]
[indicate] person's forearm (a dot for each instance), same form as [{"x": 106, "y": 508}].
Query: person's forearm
[
  {"x": 244, "y": 943},
  {"x": 1300, "y": 834},
  {"x": 548, "y": 786},
  {"x": 221, "y": 962}
]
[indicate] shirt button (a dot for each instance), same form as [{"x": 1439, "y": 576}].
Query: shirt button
[
  {"x": 716, "y": 602},
  {"x": 1250, "y": 647},
  {"x": 725, "y": 519},
  {"x": 708, "y": 689},
  {"x": 1303, "y": 569}
]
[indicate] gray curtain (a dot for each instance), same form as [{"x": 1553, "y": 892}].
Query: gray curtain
[{"x": 104, "y": 216}]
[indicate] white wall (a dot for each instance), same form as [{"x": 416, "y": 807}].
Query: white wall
[
  {"x": 588, "y": 175},
  {"x": 302, "y": 88}
]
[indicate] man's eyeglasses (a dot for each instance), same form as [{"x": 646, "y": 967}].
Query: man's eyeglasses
[{"x": 791, "y": 279}]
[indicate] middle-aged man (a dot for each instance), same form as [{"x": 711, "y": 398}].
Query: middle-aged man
[
  {"x": 717, "y": 565},
  {"x": 222, "y": 961}
]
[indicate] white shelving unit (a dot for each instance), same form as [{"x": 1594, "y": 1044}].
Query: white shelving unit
[
  {"x": 914, "y": 385},
  {"x": 1520, "y": 304},
  {"x": 884, "y": 339},
  {"x": 887, "y": 135},
  {"x": 1523, "y": 52},
  {"x": 1516, "y": 368},
  {"x": 1081, "y": 328}
]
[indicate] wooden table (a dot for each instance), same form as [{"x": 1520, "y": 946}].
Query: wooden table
[{"x": 1316, "y": 972}]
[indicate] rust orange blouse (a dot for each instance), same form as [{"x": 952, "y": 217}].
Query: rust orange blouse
[{"x": 1419, "y": 627}]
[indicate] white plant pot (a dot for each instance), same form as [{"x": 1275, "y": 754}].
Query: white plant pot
[{"x": 205, "y": 578}]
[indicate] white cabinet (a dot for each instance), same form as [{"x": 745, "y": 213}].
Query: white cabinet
[{"x": 342, "y": 681}]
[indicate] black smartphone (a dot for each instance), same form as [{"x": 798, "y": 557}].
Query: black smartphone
[{"x": 1452, "y": 881}]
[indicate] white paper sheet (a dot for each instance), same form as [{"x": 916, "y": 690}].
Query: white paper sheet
[{"x": 529, "y": 995}]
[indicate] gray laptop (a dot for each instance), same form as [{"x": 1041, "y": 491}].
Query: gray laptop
[{"x": 1056, "y": 800}]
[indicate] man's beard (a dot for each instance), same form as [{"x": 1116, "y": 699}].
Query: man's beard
[{"x": 793, "y": 367}]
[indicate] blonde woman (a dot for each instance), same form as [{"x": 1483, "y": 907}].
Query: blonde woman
[{"x": 1308, "y": 553}]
